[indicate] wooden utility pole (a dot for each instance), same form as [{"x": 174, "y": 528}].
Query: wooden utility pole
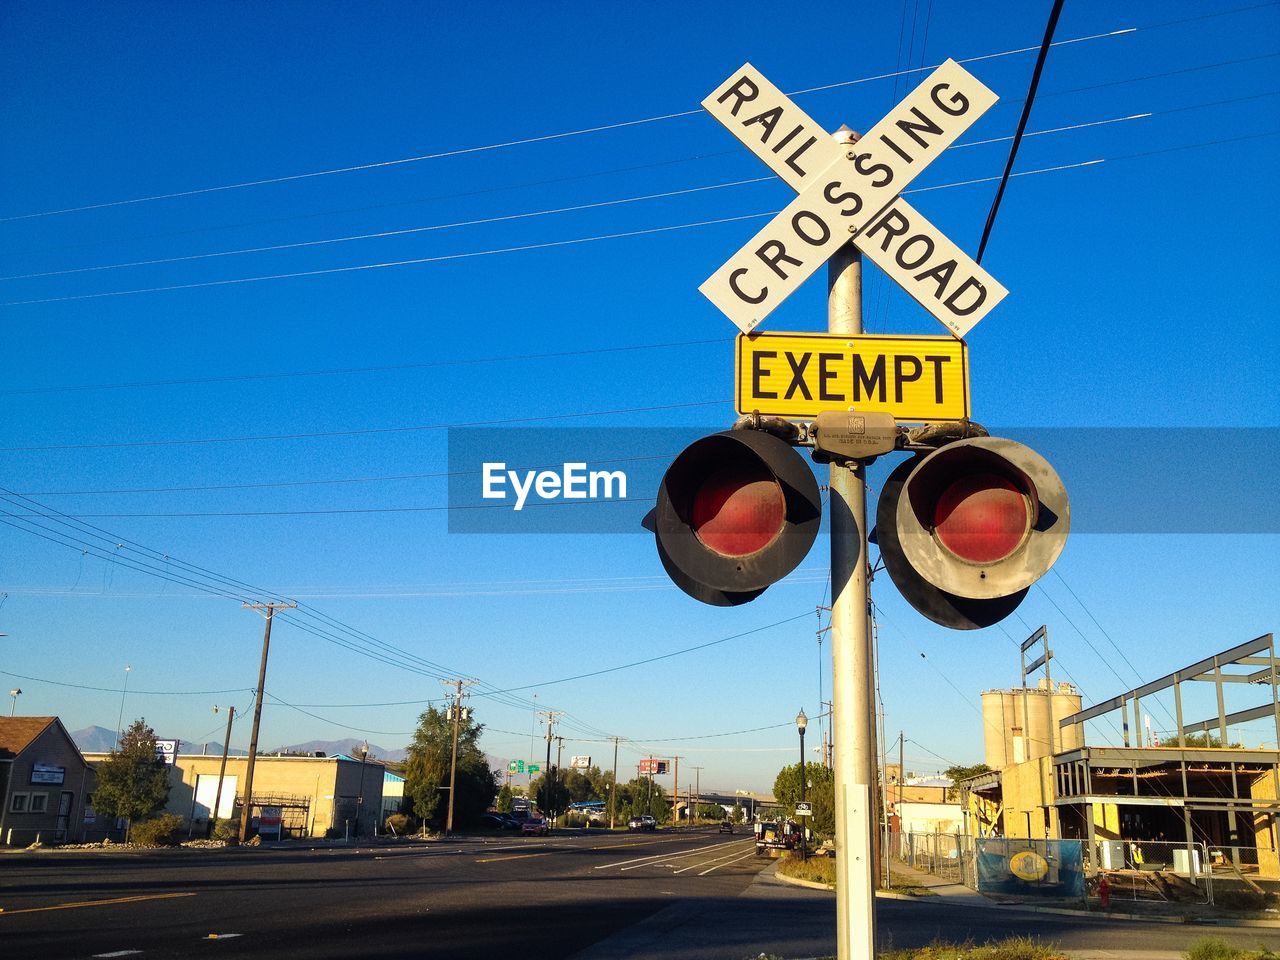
[
  {"x": 222, "y": 771},
  {"x": 246, "y": 809},
  {"x": 455, "y": 713},
  {"x": 675, "y": 791},
  {"x": 613, "y": 792}
]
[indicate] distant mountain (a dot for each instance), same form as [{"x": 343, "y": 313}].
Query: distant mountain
[
  {"x": 102, "y": 740},
  {"x": 94, "y": 739},
  {"x": 349, "y": 746}
]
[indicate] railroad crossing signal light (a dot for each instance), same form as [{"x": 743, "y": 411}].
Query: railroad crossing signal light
[
  {"x": 736, "y": 512},
  {"x": 966, "y": 530}
]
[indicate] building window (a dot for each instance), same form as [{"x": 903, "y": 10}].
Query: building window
[
  {"x": 18, "y": 802},
  {"x": 39, "y": 803}
]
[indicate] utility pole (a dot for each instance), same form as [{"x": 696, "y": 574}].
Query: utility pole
[
  {"x": 851, "y": 649},
  {"x": 675, "y": 791},
  {"x": 559, "y": 752},
  {"x": 222, "y": 770},
  {"x": 829, "y": 742},
  {"x": 246, "y": 810},
  {"x": 697, "y": 790},
  {"x": 548, "y": 775},
  {"x": 455, "y": 712},
  {"x": 613, "y": 793}
]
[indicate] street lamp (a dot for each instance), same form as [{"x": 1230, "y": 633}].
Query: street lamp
[
  {"x": 16, "y": 692},
  {"x": 801, "y": 722},
  {"x": 120, "y": 718},
  {"x": 364, "y": 754}
]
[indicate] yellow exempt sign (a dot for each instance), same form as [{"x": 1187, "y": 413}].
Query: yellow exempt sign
[{"x": 798, "y": 375}]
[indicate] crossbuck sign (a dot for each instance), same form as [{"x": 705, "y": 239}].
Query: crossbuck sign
[{"x": 850, "y": 191}]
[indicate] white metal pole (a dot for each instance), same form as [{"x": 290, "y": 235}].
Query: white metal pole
[{"x": 851, "y": 653}]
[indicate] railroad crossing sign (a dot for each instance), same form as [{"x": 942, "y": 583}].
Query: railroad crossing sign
[
  {"x": 799, "y": 375},
  {"x": 851, "y": 191}
]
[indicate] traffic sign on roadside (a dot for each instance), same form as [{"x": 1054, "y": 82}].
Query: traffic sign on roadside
[
  {"x": 799, "y": 375},
  {"x": 804, "y": 809},
  {"x": 533, "y": 768},
  {"x": 851, "y": 191}
]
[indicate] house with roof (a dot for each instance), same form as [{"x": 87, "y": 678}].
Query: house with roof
[{"x": 44, "y": 780}]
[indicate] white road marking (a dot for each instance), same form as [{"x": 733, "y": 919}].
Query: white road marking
[
  {"x": 641, "y": 861},
  {"x": 118, "y": 953},
  {"x": 703, "y": 863},
  {"x": 223, "y": 936},
  {"x": 745, "y": 856}
]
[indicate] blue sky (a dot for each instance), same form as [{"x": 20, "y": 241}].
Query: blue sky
[{"x": 1140, "y": 293}]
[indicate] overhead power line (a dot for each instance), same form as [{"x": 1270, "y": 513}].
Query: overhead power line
[
  {"x": 523, "y": 141},
  {"x": 554, "y": 211},
  {"x": 1022, "y": 124}
]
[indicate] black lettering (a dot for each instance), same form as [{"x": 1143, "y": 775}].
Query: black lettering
[
  {"x": 941, "y": 273},
  {"x": 825, "y": 373},
  {"x": 740, "y": 293},
  {"x": 797, "y": 376},
  {"x": 769, "y": 119},
  {"x": 787, "y": 139},
  {"x": 771, "y": 253},
  {"x": 901, "y": 377},
  {"x": 758, "y": 373},
  {"x": 937, "y": 375},
  {"x": 825, "y": 231},
  {"x": 868, "y": 170},
  {"x": 895, "y": 148},
  {"x": 743, "y": 91},
  {"x": 956, "y": 106},
  {"x": 849, "y": 195},
  {"x": 864, "y": 385},
  {"x": 971, "y": 283},
  {"x": 926, "y": 125},
  {"x": 797, "y": 153},
  {"x": 901, "y": 255},
  {"x": 884, "y": 224}
]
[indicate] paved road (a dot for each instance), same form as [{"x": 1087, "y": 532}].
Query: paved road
[
  {"x": 675, "y": 896},
  {"x": 527, "y": 898}
]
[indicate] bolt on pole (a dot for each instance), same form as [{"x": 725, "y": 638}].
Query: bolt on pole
[{"x": 851, "y": 652}]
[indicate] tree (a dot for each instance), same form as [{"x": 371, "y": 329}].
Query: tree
[
  {"x": 1205, "y": 739},
  {"x": 504, "y": 798},
  {"x": 819, "y": 791},
  {"x": 133, "y": 781},
  {"x": 427, "y": 771},
  {"x": 960, "y": 772},
  {"x": 551, "y": 795}
]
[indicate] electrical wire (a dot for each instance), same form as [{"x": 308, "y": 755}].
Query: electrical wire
[
  {"x": 524, "y": 141},
  {"x": 361, "y": 432},
  {"x": 1022, "y": 125},
  {"x": 143, "y": 693}
]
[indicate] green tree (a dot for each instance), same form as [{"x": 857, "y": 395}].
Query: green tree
[
  {"x": 504, "y": 798},
  {"x": 132, "y": 782},
  {"x": 427, "y": 771},
  {"x": 1205, "y": 739},
  {"x": 961, "y": 772},
  {"x": 819, "y": 791},
  {"x": 641, "y": 795},
  {"x": 551, "y": 795}
]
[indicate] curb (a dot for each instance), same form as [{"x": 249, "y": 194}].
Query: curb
[
  {"x": 797, "y": 882},
  {"x": 1143, "y": 918}
]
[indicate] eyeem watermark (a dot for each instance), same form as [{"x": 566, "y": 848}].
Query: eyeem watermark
[{"x": 572, "y": 482}]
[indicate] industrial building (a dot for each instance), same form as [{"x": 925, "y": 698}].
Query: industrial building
[
  {"x": 307, "y": 796},
  {"x": 1197, "y": 789}
]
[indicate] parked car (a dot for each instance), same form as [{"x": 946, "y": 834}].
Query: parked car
[
  {"x": 649, "y": 822},
  {"x": 726, "y": 826},
  {"x": 644, "y": 822},
  {"x": 499, "y": 821},
  {"x": 535, "y": 826}
]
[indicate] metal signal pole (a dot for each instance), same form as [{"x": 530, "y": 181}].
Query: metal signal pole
[
  {"x": 851, "y": 674},
  {"x": 246, "y": 810}
]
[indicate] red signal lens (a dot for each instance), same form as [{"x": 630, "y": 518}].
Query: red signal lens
[
  {"x": 737, "y": 512},
  {"x": 981, "y": 518}
]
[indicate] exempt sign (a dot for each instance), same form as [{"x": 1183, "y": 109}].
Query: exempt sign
[{"x": 798, "y": 375}]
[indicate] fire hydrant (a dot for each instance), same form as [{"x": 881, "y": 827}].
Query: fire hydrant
[{"x": 1104, "y": 892}]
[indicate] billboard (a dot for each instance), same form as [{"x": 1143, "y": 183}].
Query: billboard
[{"x": 580, "y": 763}]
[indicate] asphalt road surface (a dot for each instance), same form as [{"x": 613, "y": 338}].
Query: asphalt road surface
[{"x": 593, "y": 897}]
